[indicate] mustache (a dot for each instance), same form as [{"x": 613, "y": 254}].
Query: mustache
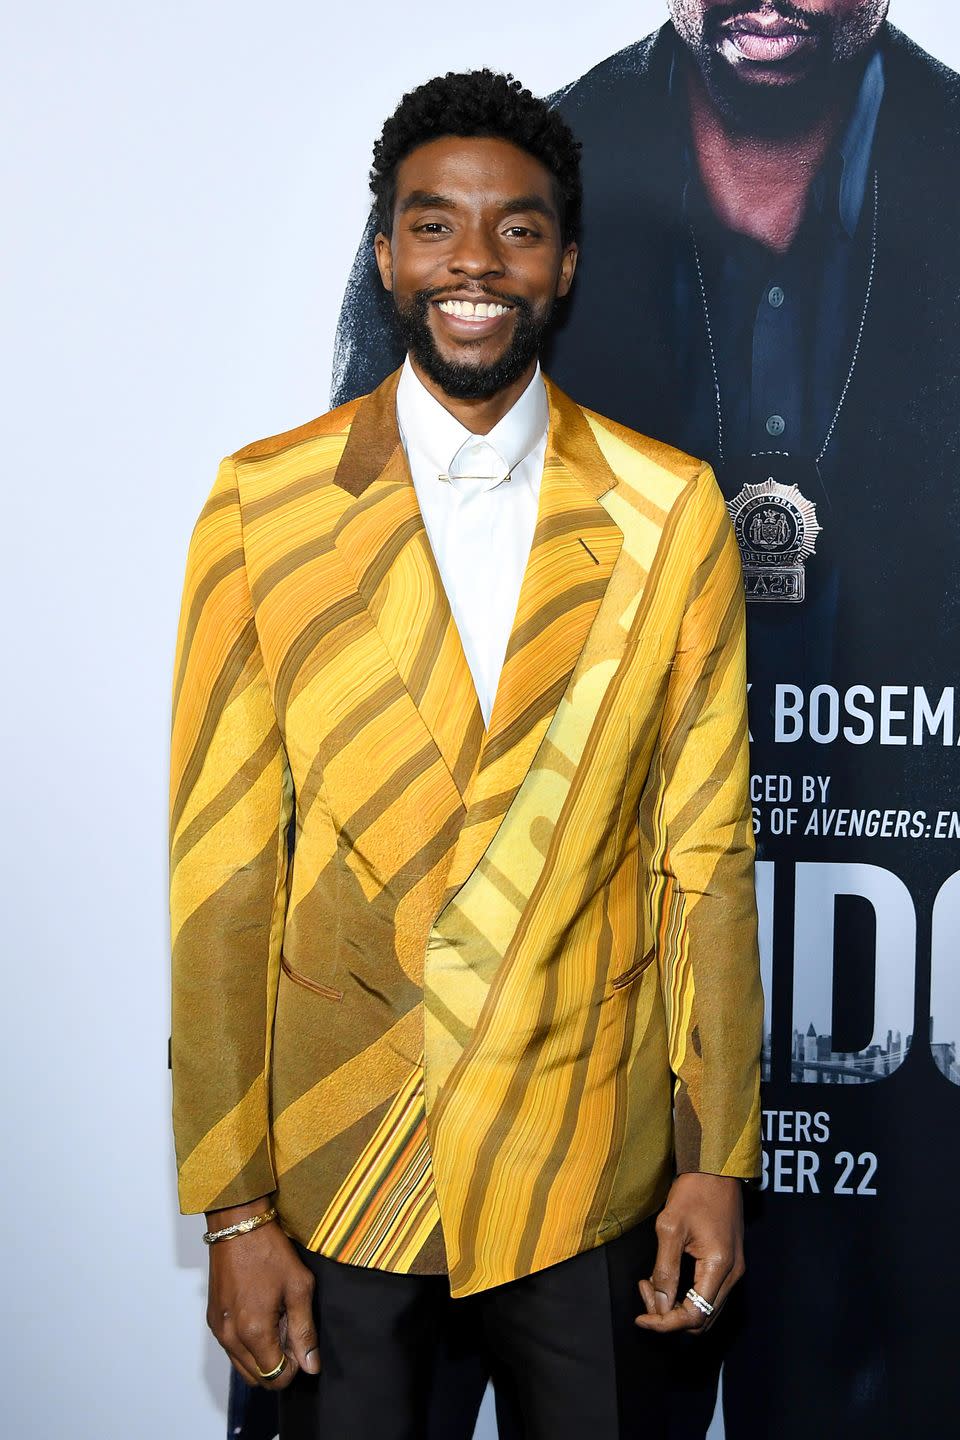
[
  {"x": 422, "y": 298},
  {"x": 720, "y": 15}
]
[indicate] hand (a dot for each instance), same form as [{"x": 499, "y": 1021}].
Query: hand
[
  {"x": 260, "y": 1300},
  {"x": 703, "y": 1217}
]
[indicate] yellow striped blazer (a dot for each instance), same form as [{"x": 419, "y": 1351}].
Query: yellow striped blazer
[{"x": 463, "y": 998}]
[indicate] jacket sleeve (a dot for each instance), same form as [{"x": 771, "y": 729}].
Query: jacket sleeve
[
  {"x": 230, "y": 809},
  {"x": 698, "y": 811}
]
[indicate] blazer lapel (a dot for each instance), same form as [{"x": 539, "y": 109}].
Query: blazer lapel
[
  {"x": 384, "y": 544},
  {"x": 574, "y": 550}
]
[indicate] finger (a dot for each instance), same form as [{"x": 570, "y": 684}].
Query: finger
[
  {"x": 243, "y": 1370},
  {"x": 223, "y": 1330},
  {"x": 260, "y": 1345},
  {"x": 682, "y": 1317},
  {"x": 710, "y": 1274},
  {"x": 647, "y": 1295},
  {"x": 666, "y": 1270},
  {"x": 709, "y": 1277},
  {"x": 240, "y": 1358},
  {"x": 288, "y": 1367},
  {"x": 260, "y": 1371},
  {"x": 300, "y": 1340},
  {"x": 732, "y": 1277}
]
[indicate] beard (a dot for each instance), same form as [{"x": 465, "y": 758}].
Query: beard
[
  {"x": 461, "y": 379},
  {"x": 782, "y": 105}
]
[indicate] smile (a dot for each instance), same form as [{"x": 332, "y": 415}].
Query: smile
[{"x": 467, "y": 310}]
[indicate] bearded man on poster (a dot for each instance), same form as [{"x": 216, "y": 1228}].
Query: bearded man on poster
[
  {"x": 465, "y": 969},
  {"x": 768, "y": 214}
]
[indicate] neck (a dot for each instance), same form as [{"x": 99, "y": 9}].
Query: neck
[
  {"x": 478, "y": 416},
  {"x": 757, "y": 185}
]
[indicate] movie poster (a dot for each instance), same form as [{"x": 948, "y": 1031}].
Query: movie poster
[{"x": 814, "y": 362}]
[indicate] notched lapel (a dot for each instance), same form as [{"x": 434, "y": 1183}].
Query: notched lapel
[
  {"x": 383, "y": 542},
  {"x": 372, "y": 439}
]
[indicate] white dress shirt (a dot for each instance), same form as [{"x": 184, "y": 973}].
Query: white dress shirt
[{"x": 478, "y": 495}]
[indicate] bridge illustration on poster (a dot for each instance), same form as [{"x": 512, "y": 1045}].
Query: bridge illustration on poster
[{"x": 814, "y": 1059}]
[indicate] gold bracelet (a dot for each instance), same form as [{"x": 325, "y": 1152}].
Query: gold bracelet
[{"x": 242, "y": 1227}]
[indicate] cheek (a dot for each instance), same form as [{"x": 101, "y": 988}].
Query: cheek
[
  {"x": 420, "y": 272},
  {"x": 537, "y": 277}
]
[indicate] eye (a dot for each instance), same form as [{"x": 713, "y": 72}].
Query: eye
[
  {"x": 431, "y": 227},
  {"x": 522, "y": 232}
]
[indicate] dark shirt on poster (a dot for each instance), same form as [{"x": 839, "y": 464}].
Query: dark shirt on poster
[
  {"x": 784, "y": 331},
  {"x": 784, "y": 326}
]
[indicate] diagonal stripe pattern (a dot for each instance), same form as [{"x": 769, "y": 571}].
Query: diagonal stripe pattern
[{"x": 460, "y": 996}]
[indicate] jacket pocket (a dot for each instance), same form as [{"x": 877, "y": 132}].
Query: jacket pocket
[
  {"x": 327, "y": 991},
  {"x": 619, "y": 981}
]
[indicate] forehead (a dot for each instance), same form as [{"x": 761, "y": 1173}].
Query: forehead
[{"x": 473, "y": 170}]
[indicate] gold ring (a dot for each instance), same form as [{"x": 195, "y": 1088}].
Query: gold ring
[{"x": 276, "y": 1372}]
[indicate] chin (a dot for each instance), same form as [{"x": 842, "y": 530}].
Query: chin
[
  {"x": 764, "y": 81},
  {"x": 472, "y": 357},
  {"x": 771, "y": 104}
]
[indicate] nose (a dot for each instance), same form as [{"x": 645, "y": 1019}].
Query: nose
[{"x": 475, "y": 253}]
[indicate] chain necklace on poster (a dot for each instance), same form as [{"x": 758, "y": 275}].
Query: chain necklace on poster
[{"x": 774, "y": 521}]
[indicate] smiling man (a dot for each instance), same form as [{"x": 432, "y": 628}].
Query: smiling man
[{"x": 465, "y": 971}]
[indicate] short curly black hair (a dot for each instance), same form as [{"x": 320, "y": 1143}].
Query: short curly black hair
[{"x": 481, "y": 103}]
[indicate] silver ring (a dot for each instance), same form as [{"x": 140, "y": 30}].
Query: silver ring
[{"x": 697, "y": 1299}]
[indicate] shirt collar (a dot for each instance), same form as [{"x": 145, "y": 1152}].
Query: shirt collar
[
  {"x": 850, "y": 168},
  {"x": 856, "y": 147},
  {"x": 437, "y": 436}
]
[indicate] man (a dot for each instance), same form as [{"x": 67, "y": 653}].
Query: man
[
  {"x": 770, "y": 266},
  {"x": 465, "y": 976}
]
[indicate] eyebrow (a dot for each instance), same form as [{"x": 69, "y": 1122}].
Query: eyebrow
[
  {"x": 536, "y": 203},
  {"x": 427, "y": 199},
  {"x": 424, "y": 198}
]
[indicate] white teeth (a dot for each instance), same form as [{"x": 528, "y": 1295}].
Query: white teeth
[{"x": 468, "y": 311}]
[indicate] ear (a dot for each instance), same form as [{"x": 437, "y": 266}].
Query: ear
[
  {"x": 568, "y": 264},
  {"x": 384, "y": 255}
]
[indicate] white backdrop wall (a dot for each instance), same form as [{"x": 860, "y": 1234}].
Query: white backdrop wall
[{"x": 184, "y": 186}]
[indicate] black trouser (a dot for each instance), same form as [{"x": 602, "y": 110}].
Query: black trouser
[{"x": 399, "y": 1356}]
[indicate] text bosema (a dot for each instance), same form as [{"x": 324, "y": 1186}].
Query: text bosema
[{"x": 888, "y": 715}]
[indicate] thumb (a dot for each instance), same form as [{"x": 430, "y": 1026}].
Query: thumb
[{"x": 301, "y": 1328}]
